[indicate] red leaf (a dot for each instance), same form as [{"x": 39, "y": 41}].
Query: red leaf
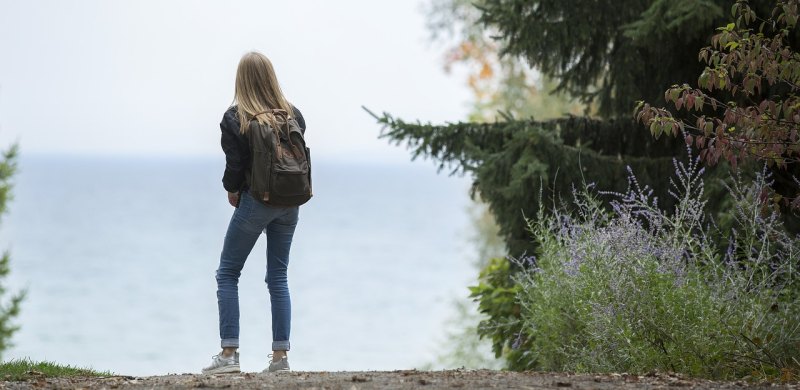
[
  {"x": 763, "y": 106},
  {"x": 701, "y": 122}
]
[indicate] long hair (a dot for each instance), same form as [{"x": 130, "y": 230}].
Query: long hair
[{"x": 258, "y": 92}]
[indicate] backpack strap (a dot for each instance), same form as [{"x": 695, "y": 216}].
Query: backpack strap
[{"x": 280, "y": 112}]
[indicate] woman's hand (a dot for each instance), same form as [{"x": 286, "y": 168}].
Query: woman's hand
[{"x": 233, "y": 199}]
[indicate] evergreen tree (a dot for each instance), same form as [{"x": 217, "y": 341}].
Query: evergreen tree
[
  {"x": 608, "y": 53},
  {"x": 10, "y": 309},
  {"x": 614, "y": 52},
  {"x": 516, "y": 162}
]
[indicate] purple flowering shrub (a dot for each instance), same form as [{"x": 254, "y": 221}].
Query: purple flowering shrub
[{"x": 639, "y": 288}]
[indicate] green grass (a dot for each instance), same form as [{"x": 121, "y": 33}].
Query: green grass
[{"x": 25, "y": 369}]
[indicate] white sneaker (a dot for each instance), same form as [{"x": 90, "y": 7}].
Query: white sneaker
[
  {"x": 223, "y": 365},
  {"x": 280, "y": 365}
]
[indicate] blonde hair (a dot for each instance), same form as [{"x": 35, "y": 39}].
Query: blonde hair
[{"x": 258, "y": 92}]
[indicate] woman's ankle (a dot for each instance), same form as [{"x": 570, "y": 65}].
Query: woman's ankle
[
  {"x": 228, "y": 351},
  {"x": 278, "y": 355}
]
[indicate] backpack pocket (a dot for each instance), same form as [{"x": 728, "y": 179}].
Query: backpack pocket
[{"x": 291, "y": 181}]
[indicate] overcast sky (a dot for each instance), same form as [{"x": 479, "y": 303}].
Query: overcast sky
[{"x": 153, "y": 77}]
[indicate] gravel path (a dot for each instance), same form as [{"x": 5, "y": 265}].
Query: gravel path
[{"x": 408, "y": 379}]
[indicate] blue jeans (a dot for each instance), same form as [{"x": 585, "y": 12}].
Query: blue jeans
[{"x": 248, "y": 221}]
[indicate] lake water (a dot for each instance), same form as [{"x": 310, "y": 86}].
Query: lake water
[{"x": 118, "y": 257}]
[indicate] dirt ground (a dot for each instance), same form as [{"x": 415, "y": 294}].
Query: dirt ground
[{"x": 407, "y": 379}]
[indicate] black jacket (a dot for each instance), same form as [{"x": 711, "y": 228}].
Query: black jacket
[{"x": 237, "y": 149}]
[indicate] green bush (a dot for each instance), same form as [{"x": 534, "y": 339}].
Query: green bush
[{"x": 639, "y": 289}]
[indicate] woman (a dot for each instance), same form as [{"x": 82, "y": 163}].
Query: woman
[{"x": 257, "y": 91}]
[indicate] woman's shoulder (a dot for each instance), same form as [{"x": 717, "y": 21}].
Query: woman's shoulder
[
  {"x": 230, "y": 119},
  {"x": 230, "y": 112},
  {"x": 299, "y": 117}
]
